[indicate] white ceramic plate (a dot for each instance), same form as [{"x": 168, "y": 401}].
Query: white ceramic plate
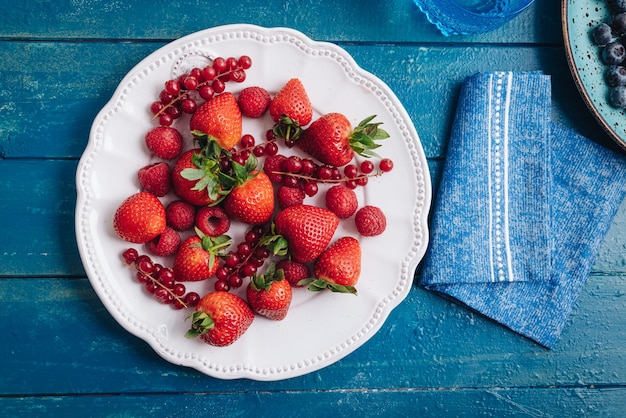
[
  {"x": 320, "y": 328},
  {"x": 579, "y": 18}
]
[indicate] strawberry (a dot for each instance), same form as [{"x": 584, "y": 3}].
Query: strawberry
[
  {"x": 307, "y": 230},
  {"x": 270, "y": 294},
  {"x": 252, "y": 200},
  {"x": 196, "y": 258},
  {"x": 370, "y": 221},
  {"x": 219, "y": 119},
  {"x": 332, "y": 140},
  {"x": 291, "y": 110},
  {"x": 195, "y": 178},
  {"x": 164, "y": 142},
  {"x": 342, "y": 201},
  {"x": 220, "y": 319},
  {"x": 155, "y": 178},
  {"x": 139, "y": 218},
  {"x": 338, "y": 268},
  {"x": 254, "y": 101}
]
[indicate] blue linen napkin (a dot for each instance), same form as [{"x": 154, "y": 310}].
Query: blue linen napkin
[{"x": 523, "y": 206}]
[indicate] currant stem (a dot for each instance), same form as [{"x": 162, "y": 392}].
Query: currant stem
[
  {"x": 158, "y": 283},
  {"x": 185, "y": 92},
  {"x": 331, "y": 180}
]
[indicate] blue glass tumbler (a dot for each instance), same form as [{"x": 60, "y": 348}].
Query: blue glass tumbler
[{"x": 458, "y": 17}]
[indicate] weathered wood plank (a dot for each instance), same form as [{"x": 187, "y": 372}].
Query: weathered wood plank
[
  {"x": 58, "y": 331},
  {"x": 349, "y": 21},
  {"x": 49, "y": 103},
  {"x": 493, "y": 402}
]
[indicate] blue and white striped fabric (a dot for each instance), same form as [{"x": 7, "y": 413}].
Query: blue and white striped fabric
[{"x": 522, "y": 208}]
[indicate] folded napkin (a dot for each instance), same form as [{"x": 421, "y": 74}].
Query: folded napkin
[{"x": 523, "y": 206}]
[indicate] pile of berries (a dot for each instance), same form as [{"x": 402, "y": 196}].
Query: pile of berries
[
  {"x": 159, "y": 280},
  {"x": 609, "y": 36},
  {"x": 181, "y": 95},
  {"x": 220, "y": 181}
]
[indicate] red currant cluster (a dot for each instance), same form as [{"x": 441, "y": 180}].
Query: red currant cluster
[
  {"x": 248, "y": 145},
  {"x": 305, "y": 173},
  {"x": 182, "y": 95},
  {"x": 159, "y": 281},
  {"x": 242, "y": 262}
]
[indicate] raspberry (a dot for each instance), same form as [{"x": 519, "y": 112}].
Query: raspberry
[
  {"x": 253, "y": 101},
  {"x": 342, "y": 201},
  {"x": 289, "y": 196},
  {"x": 294, "y": 271},
  {"x": 165, "y": 244},
  {"x": 370, "y": 221},
  {"x": 155, "y": 178},
  {"x": 180, "y": 215},
  {"x": 212, "y": 221},
  {"x": 164, "y": 142}
]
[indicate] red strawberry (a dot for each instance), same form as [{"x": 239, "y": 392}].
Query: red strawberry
[
  {"x": 155, "y": 178},
  {"x": 270, "y": 294},
  {"x": 294, "y": 272},
  {"x": 338, "y": 268},
  {"x": 140, "y": 218},
  {"x": 165, "y": 244},
  {"x": 342, "y": 201},
  {"x": 291, "y": 110},
  {"x": 220, "y": 319},
  {"x": 254, "y": 101},
  {"x": 370, "y": 221},
  {"x": 307, "y": 229},
  {"x": 212, "y": 221},
  {"x": 252, "y": 201},
  {"x": 187, "y": 174},
  {"x": 164, "y": 142},
  {"x": 196, "y": 258},
  {"x": 180, "y": 215},
  {"x": 332, "y": 140},
  {"x": 220, "y": 119}
]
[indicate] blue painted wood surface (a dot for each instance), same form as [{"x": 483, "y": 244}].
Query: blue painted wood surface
[{"x": 63, "y": 354}]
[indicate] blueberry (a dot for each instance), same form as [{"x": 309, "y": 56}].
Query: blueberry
[
  {"x": 613, "y": 53},
  {"x": 617, "y": 96},
  {"x": 602, "y": 34},
  {"x": 615, "y": 75},
  {"x": 618, "y": 23}
]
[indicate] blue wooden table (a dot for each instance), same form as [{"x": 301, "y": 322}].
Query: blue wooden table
[{"x": 63, "y": 354}]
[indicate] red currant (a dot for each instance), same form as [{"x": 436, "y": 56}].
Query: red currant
[
  {"x": 385, "y": 165},
  {"x": 188, "y": 105},
  {"x": 247, "y": 141},
  {"x": 219, "y": 64},
  {"x": 218, "y": 86},
  {"x": 245, "y": 62},
  {"x": 191, "y": 299},
  {"x": 206, "y": 92},
  {"x": 172, "y": 87},
  {"x": 351, "y": 170},
  {"x": 367, "y": 167},
  {"x": 208, "y": 73},
  {"x": 271, "y": 148},
  {"x": 130, "y": 255}
]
